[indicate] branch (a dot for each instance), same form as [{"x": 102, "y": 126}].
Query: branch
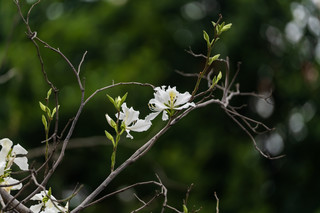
[
  {"x": 217, "y": 207},
  {"x": 135, "y": 156},
  {"x": 17, "y": 205},
  {"x": 115, "y": 85},
  {"x": 122, "y": 190}
]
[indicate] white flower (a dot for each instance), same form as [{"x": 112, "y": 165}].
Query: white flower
[
  {"x": 9, "y": 155},
  {"x": 46, "y": 205},
  {"x": 131, "y": 122},
  {"x": 9, "y": 181},
  {"x": 167, "y": 100}
]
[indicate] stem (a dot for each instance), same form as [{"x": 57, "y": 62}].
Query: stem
[
  {"x": 47, "y": 141},
  {"x": 114, "y": 152},
  {"x": 113, "y": 158},
  {"x": 206, "y": 67}
]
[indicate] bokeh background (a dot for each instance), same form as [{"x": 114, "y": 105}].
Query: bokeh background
[{"x": 278, "y": 44}]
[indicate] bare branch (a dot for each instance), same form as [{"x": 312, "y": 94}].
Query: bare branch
[
  {"x": 217, "y": 207},
  {"x": 187, "y": 74},
  {"x": 145, "y": 204},
  {"x": 18, "y": 206},
  {"x": 115, "y": 85},
  {"x": 194, "y": 54},
  {"x": 252, "y": 139},
  {"x": 122, "y": 190},
  {"x": 82, "y": 60}
]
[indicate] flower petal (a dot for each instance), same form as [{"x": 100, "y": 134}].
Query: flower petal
[
  {"x": 22, "y": 162},
  {"x": 19, "y": 150},
  {"x": 128, "y": 115},
  {"x": 165, "y": 116},
  {"x": 39, "y": 196},
  {"x": 9, "y": 181},
  {"x": 36, "y": 208},
  {"x": 6, "y": 144},
  {"x": 140, "y": 126},
  {"x": 128, "y": 134},
  {"x": 157, "y": 105},
  {"x": 2, "y": 167},
  {"x": 152, "y": 116},
  {"x": 182, "y": 98}
]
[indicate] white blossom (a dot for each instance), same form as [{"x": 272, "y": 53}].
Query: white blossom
[
  {"x": 166, "y": 100},
  {"x": 47, "y": 205},
  {"x": 131, "y": 122},
  {"x": 10, "y": 181},
  {"x": 9, "y": 155}
]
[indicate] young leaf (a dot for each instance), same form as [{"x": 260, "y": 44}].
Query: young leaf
[
  {"x": 213, "y": 58},
  {"x": 109, "y": 136},
  {"x": 42, "y": 106},
  {"x": 111, "y": 99},
  {"x": 216, "y": 79},
  {"x": 185, "y": 209},
  {"x": 54, "y": 111},
  {"x": 219, "y": 77},
  {"x": 49, "y": 192},
  {"x": 206, "y": 38},
  {"x": 48, "y": 111},
  {"x": 123, "y": 99},
  {"x": 226, "y": 27},
  {"x": 49, "y": 93},
  {"x": 44, "y": 122}
]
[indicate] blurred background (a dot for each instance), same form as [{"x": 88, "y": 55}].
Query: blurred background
[{"x": 278, "y": 43}]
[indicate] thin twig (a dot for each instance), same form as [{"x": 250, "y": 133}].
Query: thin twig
[
  {"x": 115, "y": 85},
  {"x": 82, "y": 60},
  {"x": 217, "y": 207},
  {"x": 121, "y": 190}
]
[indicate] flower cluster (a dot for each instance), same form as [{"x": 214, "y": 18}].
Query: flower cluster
[
  {"x": 168, "y": 101},
  {"x": 165, "y": 101},
  {"x": 8, "y": 156},
  {"x": 130, "y": 120}
]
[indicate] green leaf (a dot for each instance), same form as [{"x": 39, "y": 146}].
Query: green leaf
[
  {"x": 216, "y": 79},
  {"x": 49, "y": 93},
  {"x": 111, "y": 99},
  {"x": 42, "y": 106},
  {"x": 219, "y": 77},
  {"x": 206, "y": 38},
  {"x": 123, "y": 99},
  {"x": 226, "y": 27},
  {"x": 44, "y": 122},
  {"x": 185, "y": 209},
  {"x": 54, "y": 111},
  {"x": 49, "y": 192},
  {"x": 48, "y": 111},
  {"x": 213, "y": 58},
  {"x": 109, "y": 136},
  {"x": 117, "y": 139}
]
